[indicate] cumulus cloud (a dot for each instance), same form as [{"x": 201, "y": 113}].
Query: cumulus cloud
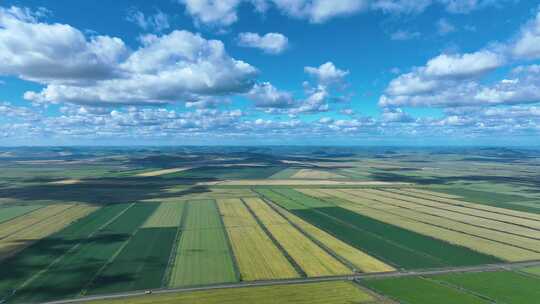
[
  {"x": 463, "y": 65},
  {"x": 265, "y": 95},
  {"x": 101, "y": 70},
  {"x": 54, "y": 53},
  {"x": 319, "y": 11},
  {"x": 528, "y": 43},
  {"x": 212, "y": 12},
  {"x": 271, "y": 43},
  {"x": 154, "y": 23},
  {"x": 327, "y": 73}
]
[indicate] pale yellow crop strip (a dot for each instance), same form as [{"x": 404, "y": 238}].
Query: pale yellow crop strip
[
  {"x": 433, "y": 193},
  {"x": 362, "y": 261},
  {"x": 14, "y": 243},
  {"x": 494, "y": 211},
  {"x": 439, "y": 209},
  {"x": 28, "y": 220},
  {"x": 167, "y": 214},
  {"x": 315, "y": 174},
  {"x": 393, "y": 206},
  {"x": 311, "y": 293},
  {"x": 459, "y": 207},
  {"x": 314, "y": 193},
  {"x": 369, "y": 208},
  {"x": 311, "y": 258},
  {"x": 256, "y": 255}
]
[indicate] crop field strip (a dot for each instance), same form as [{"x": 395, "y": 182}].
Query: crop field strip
[
  {"x": 203, "y": 255},
  {"x": 313, "y": 260},
  {"x": 391, "y": 244},
  {"x": 339, "y": 292},
  {"x": 432, "y": 193},
  {"x": 73, "y": 272},
  {"x": 32, "y": 218},
  {"x": 417, "y": 290},
  {"x": 373, "y": 210},
  {"x": 470, "y": 210},
  {"x": 257, "y": 256},
  {"x": 361, "y": 261},
  {"x": 415, "y": 212},
  {"x": 167, "y": 214},
  {"x": 499, "y": 286},
  {"x": 48, "y": 223},
  {"x": 11, "y": 212},
  {"x": 456, "y": 214},
  {"x": 479, "y": 208}
]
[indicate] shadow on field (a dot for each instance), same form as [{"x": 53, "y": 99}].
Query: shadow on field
[{"x": 105, "y": 190}]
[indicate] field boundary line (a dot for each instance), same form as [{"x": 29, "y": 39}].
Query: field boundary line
[
  {"x": 22, "y": 214},
  {"x": 165, "y": 281},
  {"x": 283, "y": 251},
  {"x": 236, "y": 268},
  {"x": 313, "y": 239},
  {"x": 459, "y": 288},
  {"x": 356, "y": 278},
  {"x": 445, "y": 228},
  {"x": 469, "y": 207},
  {"x": 75, "y": 247}
]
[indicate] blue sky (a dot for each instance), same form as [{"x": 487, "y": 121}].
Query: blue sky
[{"x": 345, "y": 72}]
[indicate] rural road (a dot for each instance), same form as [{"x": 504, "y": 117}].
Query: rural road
[{"x": 359, "y": 276}]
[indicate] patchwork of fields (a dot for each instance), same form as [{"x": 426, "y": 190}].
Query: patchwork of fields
[{"x": 228, "y": 224}]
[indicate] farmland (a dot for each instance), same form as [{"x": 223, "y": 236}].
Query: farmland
[{"x": 239, "y": 226}]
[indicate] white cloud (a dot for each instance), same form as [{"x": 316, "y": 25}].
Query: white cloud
[
  {"x": 327, "y": 73},
  {"x": 54, "y": 52},
  {"x": 319, "y": 11},
  {"x": 180, "y": 66},
  {"x": 464, "y": 65},
  {"x": 155, "y": 23},
  {"x": 213, "y": 12},
  {"x": 271, "y": 43},
  {"x": 528, "y": 44},
  {"x": 265, "y": 95},
  {"x": 401, "y": 35},
  {"x": 444, "y": 27},
  {"x": 401, "y": 6}
]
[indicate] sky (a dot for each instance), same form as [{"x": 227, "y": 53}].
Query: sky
[{"x": 270, "y": 72}]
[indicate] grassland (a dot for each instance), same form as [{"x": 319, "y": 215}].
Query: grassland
[
  {"x": 421, "y": 291},
  {"x": 141, "y": 264},
  {"x": 499, "y": 286},
  {"x": 532, "y": 270},
  {"x": 490, "y": 248},
  {"x": 72, "y": 273},
  {"x": 316, "y": 174},
  {"x": 167, "y": 215},
  {"x": 313, "y": 260},
  {"x": 8, "y": 213},
  {"x": 313, "y": 293},
  {"x": 203, "y": 255},
  {"x": 257, "y": 256}
]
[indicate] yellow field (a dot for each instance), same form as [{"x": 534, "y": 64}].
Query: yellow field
[
  {"x": 372, "y": 209},
  {"x": 54, "y": 219},
  {"x": 362, "y": 261},
  {"x": 492, "y": 210},
  {"x": 161, "y": 172},
  {"x": 167, "y": 215},
  {"x": 257, "y": 256},
  {"x": 467, "y": 208},
  {"x": 209, "y": 193},
  {"x": 397, "y": 206},
  {"x": 434, "y": 193},
  {"x": 71, "y": 181},
  {"x": 315, "y": 174},
  {"x": 296, "y": 182},
  {"x": 311, "y": 293},
  {"x": 311, "y": 258},
  {"x": 439, "y": 209},
  {"x": 30, "y": 219}
]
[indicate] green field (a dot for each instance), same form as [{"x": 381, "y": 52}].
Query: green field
[
  {"x": 75, "y": 271},
  {"x": 141, "y": 264},
  {"x": 391, "y": 244},
  {"x": 203, "y": 255},
  {"x": 8, "y": 213},
  {"x": 414, "y": 290},
  {"x": 500, "y": 286}
]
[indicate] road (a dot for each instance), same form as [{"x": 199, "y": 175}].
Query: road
[{"x": 358, "y": 277}]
